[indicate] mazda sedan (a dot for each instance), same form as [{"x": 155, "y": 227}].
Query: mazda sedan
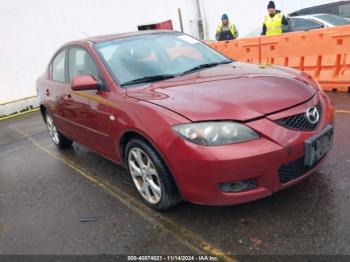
[{"x": 187, "y": 122}]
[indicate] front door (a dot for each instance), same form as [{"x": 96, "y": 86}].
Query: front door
[{"x": 92, "y": 122}]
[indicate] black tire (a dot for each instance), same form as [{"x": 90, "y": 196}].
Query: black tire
[
  {"x": 170, "y": 195},
  {"x": 60, "y": 141}
]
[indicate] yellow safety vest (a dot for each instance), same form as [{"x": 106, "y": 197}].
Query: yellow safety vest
[
  {"x": 274, "y": 24},
  {"x": 232, "y": 28}
]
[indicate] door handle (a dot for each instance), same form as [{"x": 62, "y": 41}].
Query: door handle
[{"x": 47, "y": 92}]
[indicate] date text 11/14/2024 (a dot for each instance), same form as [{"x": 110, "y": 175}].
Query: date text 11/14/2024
[{"x": 173, "y": 258}]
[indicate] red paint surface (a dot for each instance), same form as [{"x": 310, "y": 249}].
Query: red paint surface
[{"x": 239, "y": 92}]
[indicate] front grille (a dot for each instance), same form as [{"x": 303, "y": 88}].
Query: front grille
[
  {"x": 294, "y": 170},
  {"x": 300, "y": 121}
]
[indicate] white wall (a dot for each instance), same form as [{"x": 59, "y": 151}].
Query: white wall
[
  {"x": 248, "y": 15},
  {"x": 31, "y": 30}
]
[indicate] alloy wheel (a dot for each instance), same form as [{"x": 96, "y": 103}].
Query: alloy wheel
[
  {"x": 144, "y": 175},
  {"x": 52, "y": 129}
]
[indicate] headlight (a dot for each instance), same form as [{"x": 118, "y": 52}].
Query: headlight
[
  {"x": 313, "y": 81},
  {"x": 215, "y": 133}
]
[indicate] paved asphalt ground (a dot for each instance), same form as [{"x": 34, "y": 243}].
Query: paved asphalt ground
[{"x": 77, "y": 202}]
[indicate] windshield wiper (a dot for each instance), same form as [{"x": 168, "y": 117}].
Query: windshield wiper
[
  {"x": 202, "y": 66},
  {"x": 147, "y": 79}
]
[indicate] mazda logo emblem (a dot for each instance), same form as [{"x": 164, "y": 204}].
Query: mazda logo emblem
[{"x": 312, "y": 115}]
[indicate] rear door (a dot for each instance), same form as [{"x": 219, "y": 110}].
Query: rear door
[{"x": 55, "y": 89}]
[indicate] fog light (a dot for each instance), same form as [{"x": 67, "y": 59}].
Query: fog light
[{"x": 238, "y": 186}]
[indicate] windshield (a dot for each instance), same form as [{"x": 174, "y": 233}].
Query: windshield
[
  {"x": 333, "y": 19},
  {"x": 156, "y": 55}
]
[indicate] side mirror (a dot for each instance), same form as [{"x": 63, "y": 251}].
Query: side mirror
[{"x": 81, "y": 83}]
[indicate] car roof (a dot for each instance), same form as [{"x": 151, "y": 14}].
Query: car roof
[
  {"x": 318, "y": 7},
  {"x": 111, "y": 37},
  {"x": 308, "y": 16}
]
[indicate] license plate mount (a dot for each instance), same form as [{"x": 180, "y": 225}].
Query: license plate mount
[{"x": 318, "y": 146}]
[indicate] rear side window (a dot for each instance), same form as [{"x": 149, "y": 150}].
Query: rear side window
[
  {"x": 81, "y": 63},
  {"x": 59, "y": 67},
  {"x": 300, "y": 24},
  {"x": 334, "y": 20}
]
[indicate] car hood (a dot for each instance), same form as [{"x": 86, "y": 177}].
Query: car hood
[{"x": 235, "y": 91}]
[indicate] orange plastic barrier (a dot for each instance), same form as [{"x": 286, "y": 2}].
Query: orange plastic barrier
[
  {"x": 323, "y": 53},
  {"x": 245, "y": 49}
]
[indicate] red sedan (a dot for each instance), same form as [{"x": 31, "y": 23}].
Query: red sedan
[{"x": 187, "y": 122}]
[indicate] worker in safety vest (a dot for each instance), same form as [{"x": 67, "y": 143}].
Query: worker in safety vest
[
  {"x": 225, "y": 30},
  {"x": 274, "y": 22}
]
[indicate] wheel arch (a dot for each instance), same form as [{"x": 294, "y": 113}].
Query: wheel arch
[
  {"x": 43, "y": 111},
  {"x": 132, "y": 134}
]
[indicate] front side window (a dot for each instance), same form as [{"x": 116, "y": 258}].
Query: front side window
[
  {"x": 159, "y": 54},
  {"x": 59, "y": 67},
  {"x": 81, "y": 63}
]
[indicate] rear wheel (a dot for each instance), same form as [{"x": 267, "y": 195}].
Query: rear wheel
[
  {"x": 58, "y": 139},
  {"x": 151, "y": 177}
]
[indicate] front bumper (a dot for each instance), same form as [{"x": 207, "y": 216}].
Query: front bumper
[{"x": 199, "y": 170}]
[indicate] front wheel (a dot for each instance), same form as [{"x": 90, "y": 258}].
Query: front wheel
[
  {"x": 58, "y": 139},
  {"x": 151, "y": 177}
]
